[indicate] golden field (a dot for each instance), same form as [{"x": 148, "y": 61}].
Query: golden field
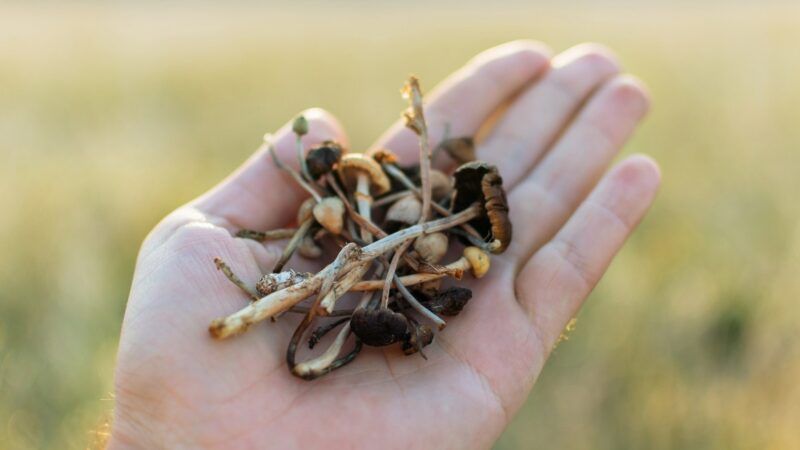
[{"x": 111, "y": 116}]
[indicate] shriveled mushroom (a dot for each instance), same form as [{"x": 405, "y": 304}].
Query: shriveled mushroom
[
  {"x": 480, "y": 182},
  {"x": 330, "y": 214},
  {"x": 378, "y": 327},
  {"x": 449, "y": 302},
  {"x": 369, "y": 178}
]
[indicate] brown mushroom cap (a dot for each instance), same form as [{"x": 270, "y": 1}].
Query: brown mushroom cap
[
  {"x": 378, "y": 327},
  {"x": 322, "y": 158},
  {"x": 480, "y": 182},
  {"x": 383, "y": 156},
  {"x": 354, "y": 163}
]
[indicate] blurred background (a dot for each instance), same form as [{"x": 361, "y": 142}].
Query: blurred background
[{"x": 114, "y": 113}]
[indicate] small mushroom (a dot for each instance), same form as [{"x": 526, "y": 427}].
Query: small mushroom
[
  {"x": 431, "y": 247},
  {"x": 330, "y": 214},
  {"x": 323, "y": 158},
  {"x": 461, "y": 149},
  {"x": 369, "y": 178},
  {"x": 480, "y": 182},
  {"x": 478, "y": 260},
  {"x": 406, "y": 210},
  {"x": 378, "y": 327}
]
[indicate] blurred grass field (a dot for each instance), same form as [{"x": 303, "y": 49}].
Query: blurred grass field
[{"x": 110, "y": 116}]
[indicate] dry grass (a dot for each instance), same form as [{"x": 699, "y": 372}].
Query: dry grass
[{"x": 111, "y": 116}]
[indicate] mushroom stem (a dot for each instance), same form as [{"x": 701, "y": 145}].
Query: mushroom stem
[
  {"x": 416, "y": 121},
  {"x": 269, "y": 235},
  {"x": 233, "y": 278},
  {"x": 455, "y": 269},
  {"x": 364, "y": 204},
  {"x": 294, "y": 242},
  {"x": 387, "y": 285},
  {"x": 284, "y": 299},
  {"x": 319, "y": 365},
  {"x": 297, "y": 177},
  {"x": 301, "y": 158},
  {"x": 391, "y": 198}
]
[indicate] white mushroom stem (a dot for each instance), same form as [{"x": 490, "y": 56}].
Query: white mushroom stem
[
  {"x": 283, "y": 300},
  {"x": 364, "y": 203},
  {"x": 318, "y": 365}
]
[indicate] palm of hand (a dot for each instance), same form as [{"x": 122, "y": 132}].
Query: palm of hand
[{"x": 176, "y": 386}]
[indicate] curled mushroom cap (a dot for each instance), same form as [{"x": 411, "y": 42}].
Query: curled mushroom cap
[
  {"x": 479, "y": 182},
  {"x": 354, "y": 163},
  {"x": 330, "y": 214},
  {"x": 323, "y": 158},
  {"x": 478, "y": 260}
]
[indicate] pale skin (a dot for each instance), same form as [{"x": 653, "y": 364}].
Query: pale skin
[{"x": 572, "y": 210}]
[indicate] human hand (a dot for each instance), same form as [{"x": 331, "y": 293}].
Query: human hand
[{"x": 565, "y": 121}]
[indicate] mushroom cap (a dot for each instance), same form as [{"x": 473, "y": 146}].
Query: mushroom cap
[
  {"x": 431, "y": 247},
  {"x": 322, "y": 158},
  {"x": 407, "y": 210},
  {"x": 479, "y": 182},
  {"x": 383, "y": 156},
  {"x": 479, "y": 261},
  {"x": 304, "y": 212},
  {"x": 353, "y": 163},
  {"x": 330, "y": 214},
  {"x": 441, "y": 185},
  {"x": 378, "y": 327}
]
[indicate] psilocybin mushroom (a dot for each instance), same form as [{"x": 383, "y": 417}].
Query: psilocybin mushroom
[
  {"x": 480, "y": 182},
  {"x": 369, "y": 178}
]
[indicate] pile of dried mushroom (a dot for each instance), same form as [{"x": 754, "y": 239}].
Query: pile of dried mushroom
[{"x": 421, "y": 211}]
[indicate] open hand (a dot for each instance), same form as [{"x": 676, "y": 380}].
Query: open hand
[{"x": 564, "y": 120}]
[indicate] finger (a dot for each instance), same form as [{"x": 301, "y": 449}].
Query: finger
[
  {"x": 544, "y": 109},
  {"x": 260, "y": 196},
  {"x": 555, "y": 281},
  {"x": 467, "y": 97},
  {"x": 547, "y": 197}
]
